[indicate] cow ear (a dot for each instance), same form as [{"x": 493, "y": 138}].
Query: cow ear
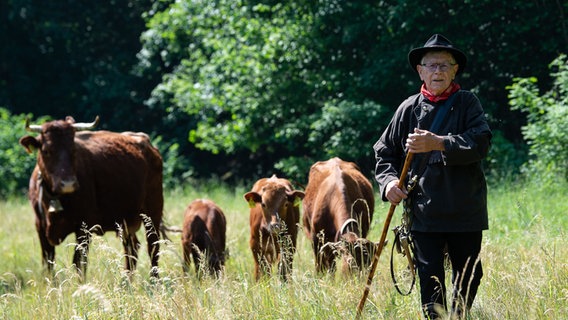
[
  {"x": 330, "y": 249},
  {"x": 297, "y": 201},
  {"x": 296, "y": 197},
  {"x": 251, "y": 203},
  {"x": 30, "y": 143},
  {"x": 377, "y": 244},
  {"x": 252, "y": 198}
]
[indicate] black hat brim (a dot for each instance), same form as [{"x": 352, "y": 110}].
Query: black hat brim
[{"x": 415, "y": 55}]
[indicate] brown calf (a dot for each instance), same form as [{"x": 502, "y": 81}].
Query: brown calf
[
  {"x": 338, "y": 209},
  {"x": 203, "y": 236},
  {"x": 274, "y": 217}
]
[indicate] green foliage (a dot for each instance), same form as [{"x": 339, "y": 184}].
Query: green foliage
[
  {"x": 340, "y": 128},
  {"x": 224, "y": 80},
  {"x": 240, "y": 86},
  {"x": 505, "y": 159},
  {"x": 175, "y": 166},
  {"x": 547, "y": 120},
  {"x": 15, "y": 164},
  {"x": 258, "y": 83},
  {"x": 344, "y": 129},
  {"x": 265, "y": 82},
  {"x": 235, "y": 75},
  {"x": 75, "y": 58}
]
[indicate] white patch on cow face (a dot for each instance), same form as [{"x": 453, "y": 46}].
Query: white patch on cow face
[{"x": 68, "y": 186}]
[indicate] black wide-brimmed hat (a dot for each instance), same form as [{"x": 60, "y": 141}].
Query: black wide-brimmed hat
[{"x": 435, "y": 43}]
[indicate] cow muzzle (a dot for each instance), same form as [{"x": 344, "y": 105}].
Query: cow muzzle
[
  {"x": 275, "y": 224},
  {"x": 67, "y": 186}
]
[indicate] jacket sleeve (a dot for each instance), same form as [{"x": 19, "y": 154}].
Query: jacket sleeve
[
  {"x": 389, "y": 149},
  {"x": 471, "y": 144}
]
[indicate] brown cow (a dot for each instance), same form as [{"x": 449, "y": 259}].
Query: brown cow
[
  {"x": 204, "y": 229},
  {"x": 338, "y": 209},
  {"x": 93, "y": 182},
  {"x": 274, "y": 217}
]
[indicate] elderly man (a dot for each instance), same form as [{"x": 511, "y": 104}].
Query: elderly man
[{"x": 446, "y": 128}]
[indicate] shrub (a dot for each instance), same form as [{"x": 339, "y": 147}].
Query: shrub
[
  {"x": 547, "y": 120},
  {"x": 504, "y": 160},
  {"x": 15, "y": 164}
]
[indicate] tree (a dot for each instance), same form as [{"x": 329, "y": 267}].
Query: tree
[
  {"x": 247, "y": 88},
  {"x": 267, "y": 81},
  {"x": 75, "y": 58},
  {"x": 15, "y": 164},
  {"x": 547, "y": 120}
]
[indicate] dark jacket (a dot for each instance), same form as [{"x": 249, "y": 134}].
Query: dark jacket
[{"x": 451, "y": 193}]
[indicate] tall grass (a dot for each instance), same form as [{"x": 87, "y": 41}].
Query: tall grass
[{"x": 524, "y": 261}]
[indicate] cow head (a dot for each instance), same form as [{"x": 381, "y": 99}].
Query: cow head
[
  {"x": 360, "y": 251},
  {"x": 356, "y": 251},
  {"x": 56, "y": 152},
  {"x": 276, "y": 200}
]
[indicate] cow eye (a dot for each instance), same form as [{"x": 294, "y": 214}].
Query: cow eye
[{"x": 263, "y": 205}]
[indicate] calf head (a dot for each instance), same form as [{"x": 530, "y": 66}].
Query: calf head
[
  {"x": 56, "y": 152},
  {"x": 357, "y": 252},
  {"x": 275, "y": 200}
]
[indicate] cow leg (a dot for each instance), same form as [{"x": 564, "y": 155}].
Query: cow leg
[
  {"x": 263, "y": 253},
  {"x": 131, "y": 245},
  {"x": 199, "y": 259},
  {"x": 324, "y": 259},
  {"x": 47, "y": 250},
  {"x": 258, "y": 261},
  {"x": 153, "y": 241},
  {"x": 47, "y": 253},
  {"x": 83, "y": 239},
  {"x": 48, "y": 257},
  {"x": 186, "y": 256},
  {"x": 286, "y": 257},
  {"x": 257, "y": 255},
  {"x": 154, "y": 207},
  {"x": 285, "y": 266},
  {"x": 317, "y": 256}
]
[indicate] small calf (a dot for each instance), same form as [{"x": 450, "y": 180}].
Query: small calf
[
  {"x": 274, "y": 217},
  {"x": 203, "y": 236}
]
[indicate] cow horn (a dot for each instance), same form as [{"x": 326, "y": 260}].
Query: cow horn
[
  {"x": 86, "y": 126},
  {"x": 345, "y": 224},
  {"x": 332, "y": 246},
  {"x": 32, "y": 127}
]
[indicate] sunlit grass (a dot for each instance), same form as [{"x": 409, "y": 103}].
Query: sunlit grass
[{"x": 524, "y": 261}]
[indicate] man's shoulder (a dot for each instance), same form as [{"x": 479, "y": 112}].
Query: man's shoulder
[
  {"x": 411, "y": 101},
  {"x": 466, "y": 93},
  {"x": 415, "y": 98},
  {"x": 467, "y": 97}
]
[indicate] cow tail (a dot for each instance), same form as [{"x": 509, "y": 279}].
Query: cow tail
[{"x": 164, "y": 229}]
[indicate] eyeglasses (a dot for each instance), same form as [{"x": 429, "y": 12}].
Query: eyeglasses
[{"x": 434, "y": 66}]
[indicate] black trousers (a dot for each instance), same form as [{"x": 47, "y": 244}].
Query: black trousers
[{"x": 462, "y": 249}]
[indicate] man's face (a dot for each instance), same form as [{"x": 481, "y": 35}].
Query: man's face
[{"x": 437, "y": 70}]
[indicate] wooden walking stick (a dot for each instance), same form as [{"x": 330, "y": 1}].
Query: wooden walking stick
[{"x": 381, "y": 244}]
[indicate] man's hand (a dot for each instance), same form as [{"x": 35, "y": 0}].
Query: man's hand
[
  {"x": 393, "y": 194},
  {"x": 424, "y": 141}
]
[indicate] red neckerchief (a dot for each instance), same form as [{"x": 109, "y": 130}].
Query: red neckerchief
[{"x": 444, "y": 96}]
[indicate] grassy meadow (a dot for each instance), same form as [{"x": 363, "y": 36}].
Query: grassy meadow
[{"x": 525, "y": 263}]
